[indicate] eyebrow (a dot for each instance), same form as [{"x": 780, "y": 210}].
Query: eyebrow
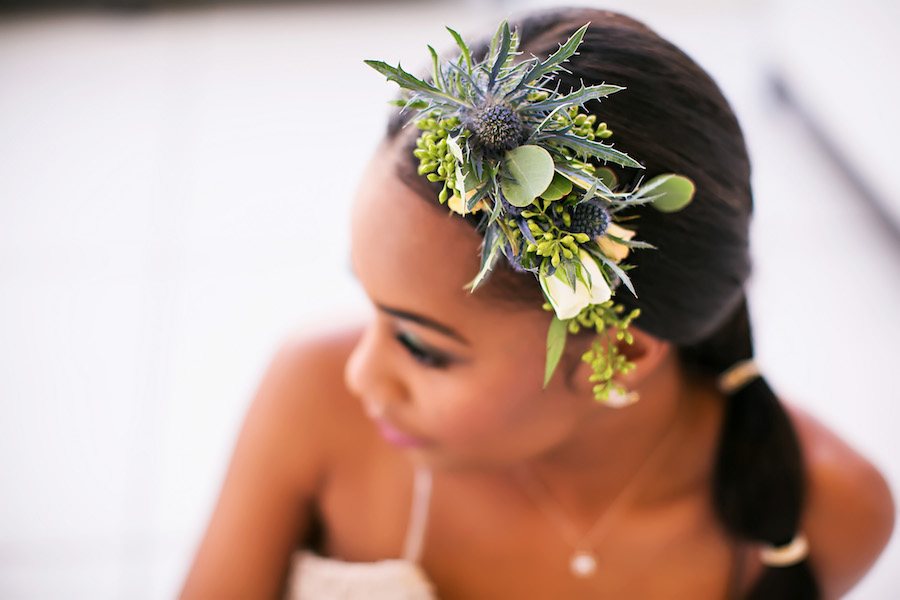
[{"x": 424, "y": 321}]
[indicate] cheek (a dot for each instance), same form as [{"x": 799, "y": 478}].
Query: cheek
[{"x": 476, "y": 413}]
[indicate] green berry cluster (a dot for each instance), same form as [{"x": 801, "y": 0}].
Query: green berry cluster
[
  {"x": 432, "y": 149},
  {"x": 551, "y": 242},
  {"x": 586, "y": 126},
  {"x": 604, "y": 356}
]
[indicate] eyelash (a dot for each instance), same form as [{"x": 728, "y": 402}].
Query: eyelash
[{"x": 422, "y": 355}]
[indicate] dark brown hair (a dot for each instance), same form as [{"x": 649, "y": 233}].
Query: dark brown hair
[{"x": 673, "y": 118}]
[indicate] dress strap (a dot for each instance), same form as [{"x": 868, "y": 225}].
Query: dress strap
[{"x": 418, "y": 515}]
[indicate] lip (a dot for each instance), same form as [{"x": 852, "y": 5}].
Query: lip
[{"x": 396, "y": 437}]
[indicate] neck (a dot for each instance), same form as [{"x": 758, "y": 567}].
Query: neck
[{"x": 646, "y": 444}]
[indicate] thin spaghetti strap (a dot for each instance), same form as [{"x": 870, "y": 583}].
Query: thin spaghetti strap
[{"x": 418, "y": 515}]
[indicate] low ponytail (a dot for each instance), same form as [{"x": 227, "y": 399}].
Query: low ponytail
[{"x": 759, "y": 482}]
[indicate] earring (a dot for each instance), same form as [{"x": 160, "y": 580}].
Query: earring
[{"x": 620, "y": 399}]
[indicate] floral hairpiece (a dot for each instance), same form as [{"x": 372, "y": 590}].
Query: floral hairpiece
[{"x": 512, "y": 149}]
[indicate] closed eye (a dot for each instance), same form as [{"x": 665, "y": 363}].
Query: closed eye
[{"x": 421, "y": 352}]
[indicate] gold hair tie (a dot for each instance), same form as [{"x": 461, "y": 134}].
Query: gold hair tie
[
  {"x": 737, "y": 376},
  {"x": 784, "y": 556}
]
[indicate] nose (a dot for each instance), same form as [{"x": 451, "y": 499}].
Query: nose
[{"x": 370, "y": 376}]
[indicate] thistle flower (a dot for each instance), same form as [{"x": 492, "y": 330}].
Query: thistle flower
[
  {"x": 496, "y": 127},
  {"x": 590, "y": 217},
  {"x": 499, "y": 105},
  {"x": 509, "y": 147}
]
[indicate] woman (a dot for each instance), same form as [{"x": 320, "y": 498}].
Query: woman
[{"x": 429, "y": 458}]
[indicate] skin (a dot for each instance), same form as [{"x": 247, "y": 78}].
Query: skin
[{"x": 435, "y": 364}]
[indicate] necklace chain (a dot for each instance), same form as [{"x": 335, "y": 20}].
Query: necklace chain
[{"x": 583, "y": 562}]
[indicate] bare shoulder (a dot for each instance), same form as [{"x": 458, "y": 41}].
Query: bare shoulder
[
  {"x": 300, "y": 416},
  {"x": 306, "y": 378},
  {"x": 850, "y": 510},
  {"x": 309, "y": 415}
]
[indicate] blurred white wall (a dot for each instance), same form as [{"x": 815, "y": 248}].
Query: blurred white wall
[{"x": 157, "y": 178}]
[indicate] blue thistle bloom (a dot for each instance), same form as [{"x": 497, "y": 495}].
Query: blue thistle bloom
[
  {"x": 497, "y": 127},
  {"x": 591, "y": 218}
]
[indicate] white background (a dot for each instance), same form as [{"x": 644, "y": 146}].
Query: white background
[{"x": 174, "y": 194}]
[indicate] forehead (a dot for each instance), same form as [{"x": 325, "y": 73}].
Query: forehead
[
  {"x": 405, "y": 249},
  {"x": 413, "y": 254}
]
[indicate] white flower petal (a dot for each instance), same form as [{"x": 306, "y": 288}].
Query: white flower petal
[{"x": 566, "y": 302}]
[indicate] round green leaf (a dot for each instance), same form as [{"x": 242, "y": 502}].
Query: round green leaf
[
  {"x": 673, "y": 194},
  {"x": 530, "y": 170},
  {"x": 559, "y": 188},
  {"x": 606, "y": 175}
]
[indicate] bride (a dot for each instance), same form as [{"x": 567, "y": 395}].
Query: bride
[{"x": 447, "y": 450}]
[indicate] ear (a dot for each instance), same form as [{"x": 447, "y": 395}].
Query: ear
[{"x": 646, "y": 352}]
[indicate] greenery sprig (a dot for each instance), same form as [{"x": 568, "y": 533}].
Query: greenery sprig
[{"x": 510, "y": 147}]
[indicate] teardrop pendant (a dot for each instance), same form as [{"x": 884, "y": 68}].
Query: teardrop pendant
[{"x": 583, "y": 564}]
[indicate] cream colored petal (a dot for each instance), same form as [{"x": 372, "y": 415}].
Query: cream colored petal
[
  {"x": 614, "y": 250},
  {"x": 566, "y": 302},
  {"x": 455, "y": 203}
]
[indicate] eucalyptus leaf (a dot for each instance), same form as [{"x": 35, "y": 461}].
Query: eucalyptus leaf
[
  {"x": 556, "y": 343},
  {"x": 673, "y": 194},
  {"x": 531, "y": 169},
  {"x": 606, "y": 175},
  {"x": 559, "y": 188}
]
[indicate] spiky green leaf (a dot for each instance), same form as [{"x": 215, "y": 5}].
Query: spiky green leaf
[
  {"x": 412, "y": 83},
  {"x": 464, "y": 49},
  {"x": 436, "y": 69},
  {"x": 591, "y": 149},
  {"x": 565, "y": 52},
  {"x": 620, "y": 273},
  {"x": 490, "y": 254},
  {"x": 584, "y": 180},
  {"x": 576, "y": 98},
  {"x": 502, "y": 53}
]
